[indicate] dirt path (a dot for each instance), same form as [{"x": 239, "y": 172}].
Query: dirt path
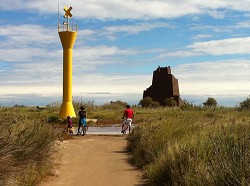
[{"x": 93, "y": 160}]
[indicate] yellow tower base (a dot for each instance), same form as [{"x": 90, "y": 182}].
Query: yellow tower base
[{"x": 67, "y": 109}]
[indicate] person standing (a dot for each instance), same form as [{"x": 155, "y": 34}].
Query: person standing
[
  {"x": 127, "y": 116},
  {"x": 82, "y": 119},
  {"x": 70, "y": 125}
]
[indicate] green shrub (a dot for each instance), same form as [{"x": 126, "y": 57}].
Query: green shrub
[
  {"x": 170, "y": 102},
  {"x": 187, "y": 105},
  {"x": 114, "y": 105},
  {"x": 148, "y": 102},
  {"x": 245, "y": 105},
  {"x": 211, "y": 102}
]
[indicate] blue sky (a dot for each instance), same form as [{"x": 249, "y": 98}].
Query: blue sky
[{"x": 119, "y": 45}]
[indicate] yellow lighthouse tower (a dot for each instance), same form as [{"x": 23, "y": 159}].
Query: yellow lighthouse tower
[{"x": 67, "y": 33}]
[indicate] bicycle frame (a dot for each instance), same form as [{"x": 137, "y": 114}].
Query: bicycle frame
[{"x": 83, "y": 130}]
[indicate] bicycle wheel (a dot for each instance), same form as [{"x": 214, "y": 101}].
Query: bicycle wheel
[{"x": 125, "y": 127}]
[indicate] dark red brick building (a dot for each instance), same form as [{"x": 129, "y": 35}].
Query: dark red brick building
[{"x": 164, "y": 85}]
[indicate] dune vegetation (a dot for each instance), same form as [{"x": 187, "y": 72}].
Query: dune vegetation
[
  {"x": 191, "y": 145},
  {"x": 198, "y": 146},
  {"x": 26, "y": 146},
  {"x": 29, "y": 138}
]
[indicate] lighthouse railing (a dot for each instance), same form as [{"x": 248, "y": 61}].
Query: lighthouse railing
[{"x": 72, "y": 27}]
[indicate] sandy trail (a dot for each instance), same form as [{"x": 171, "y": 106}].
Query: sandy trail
[{"x": 93, "y": 160}]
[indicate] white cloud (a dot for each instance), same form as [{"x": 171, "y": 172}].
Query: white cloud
[
  {"x": 85, "y": 84},
  {"x": 27, "y": 54},
  {"x": 120, "y": 9},
  {"x": 198, "y": 78},
  {"x": 224, "y": 46},
  {"x": 227, "y": 46},
  {"x": 20, "y": 35},
  {"x": 179, "y": 53},
  {"x": 33, "y": 70},
  {"x": 217, "y": 14},
  {"x": 242, "y": 24},
  {"x": 134, "y": 29},
  {"x": 28, "y": 43},
  {"x": 111, "y": 32},
  {"x": 220, "y": 78},
  {"x": 202, "y": 36},
  {"x": 114, "y": 83},
  {"x": 87, "y": 34},
  {"x": 98, "y": 52},
  {"x": 31, "y": 63},
  {"x": 31, "y": 55},
  {"x": 40, "y": 90}
]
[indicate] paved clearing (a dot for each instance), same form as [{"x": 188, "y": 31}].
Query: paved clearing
[{"x": 93, "y": 160}]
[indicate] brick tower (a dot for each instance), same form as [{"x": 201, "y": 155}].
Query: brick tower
[{"x": 164, "y": 85}]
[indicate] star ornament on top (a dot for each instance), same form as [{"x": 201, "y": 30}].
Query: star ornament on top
[{"x": 67, "y": 12}]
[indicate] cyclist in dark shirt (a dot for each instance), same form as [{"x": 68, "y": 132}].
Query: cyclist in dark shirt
[{"x": 82, "y": 118}]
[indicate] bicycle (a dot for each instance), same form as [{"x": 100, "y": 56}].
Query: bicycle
[
  {"x": 83, "y": 130},
  {"x": 126, "y": 124}
]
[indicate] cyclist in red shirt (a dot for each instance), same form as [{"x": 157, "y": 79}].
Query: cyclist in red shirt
[{"x": 127, "y": 116}]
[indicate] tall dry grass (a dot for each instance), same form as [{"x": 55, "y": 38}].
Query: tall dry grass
[
  {"x": 26, "y": 145},
  {"x": 201, "y": 147},
  {"x": 194, "y": 146}
]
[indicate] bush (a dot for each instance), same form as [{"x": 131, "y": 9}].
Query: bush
[
  {"x": 170, "y": 102},
  {"x": 148, "y": 102},
  {"x": 114, "y": 105},
  {"x": 187, "y": 105},
  {"x": 211, "y": 102},
  {"x": 245, "y": 105}
]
